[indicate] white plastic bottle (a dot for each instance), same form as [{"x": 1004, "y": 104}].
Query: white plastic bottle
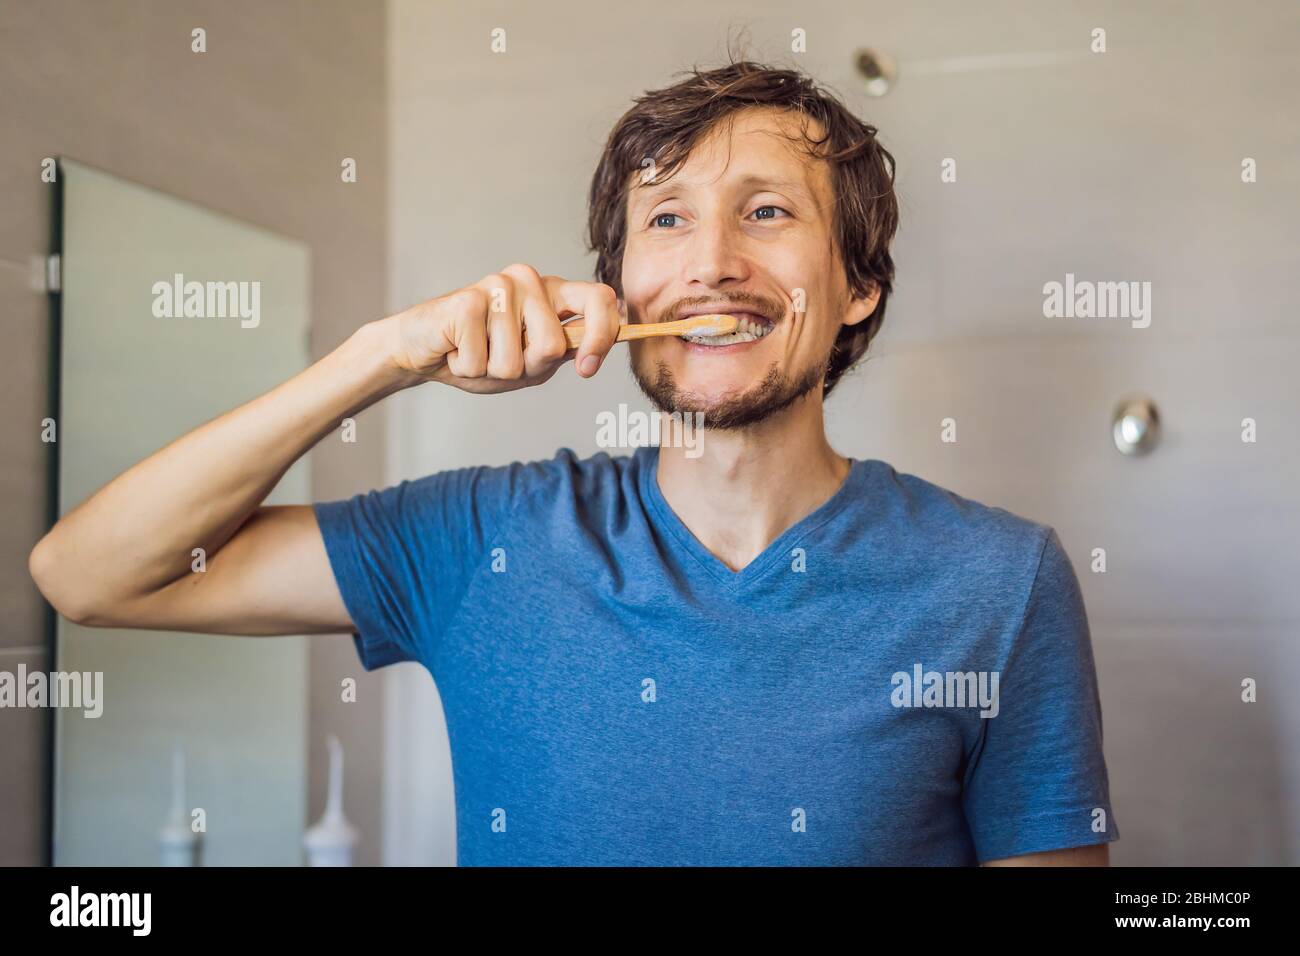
[
  {"x": 330, "y": 842},
  {"x": 178, "y": 844}
]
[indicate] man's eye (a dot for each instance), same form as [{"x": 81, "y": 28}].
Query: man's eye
[
  {"x": 768, "y": 212},
  {"x": 659, "y": 220}
]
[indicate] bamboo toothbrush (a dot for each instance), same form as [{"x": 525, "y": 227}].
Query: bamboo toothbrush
[{"x": 695, "y": 325}]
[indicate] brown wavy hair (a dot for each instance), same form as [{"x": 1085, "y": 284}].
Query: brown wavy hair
[{"x": 665, "y": 125}]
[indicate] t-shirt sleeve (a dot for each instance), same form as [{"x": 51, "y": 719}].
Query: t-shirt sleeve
[
  {"x": 404, "y": 556},
  {"x": 1038, "y": 781}
]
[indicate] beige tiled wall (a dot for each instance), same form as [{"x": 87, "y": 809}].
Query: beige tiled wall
[{"x": 1122, "y": 166}]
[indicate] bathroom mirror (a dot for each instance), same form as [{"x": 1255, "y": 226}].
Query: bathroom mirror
[{"x": 169, "y": 315}]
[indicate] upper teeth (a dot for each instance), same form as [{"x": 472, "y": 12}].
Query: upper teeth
[{"x": 746, "y": 331}]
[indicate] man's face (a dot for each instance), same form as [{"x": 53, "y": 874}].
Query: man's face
[{"x": 745, "y": 226}]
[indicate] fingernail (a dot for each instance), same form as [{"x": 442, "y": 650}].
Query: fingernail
[{"x": 589, "y": 365}]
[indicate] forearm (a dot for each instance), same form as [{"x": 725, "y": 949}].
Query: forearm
[{"x": 137, "y": 533}]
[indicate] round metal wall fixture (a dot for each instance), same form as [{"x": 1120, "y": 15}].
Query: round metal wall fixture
[
  {"x": 877, "y": 70},
  {"x": 1136, "y": 427}
]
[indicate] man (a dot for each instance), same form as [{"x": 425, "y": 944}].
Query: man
[{"x": 766, "y": 653}]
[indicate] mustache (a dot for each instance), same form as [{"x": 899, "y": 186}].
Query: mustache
[{"x": 770, "y": 309}]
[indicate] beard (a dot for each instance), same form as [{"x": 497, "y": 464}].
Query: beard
[{"x": 771, "y": 396}]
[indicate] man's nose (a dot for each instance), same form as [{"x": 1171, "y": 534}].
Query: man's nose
[{"x": 715, "y": 254}]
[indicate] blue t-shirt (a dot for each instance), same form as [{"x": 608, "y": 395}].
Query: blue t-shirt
[{"x": 905, "y": 676}]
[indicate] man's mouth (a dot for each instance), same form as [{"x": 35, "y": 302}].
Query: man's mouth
[{"x": 752, "y": 328}]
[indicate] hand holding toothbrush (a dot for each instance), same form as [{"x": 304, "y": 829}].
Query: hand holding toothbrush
[{"x": 508, "y": 331}]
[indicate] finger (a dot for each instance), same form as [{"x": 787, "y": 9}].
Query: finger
[
  {"x": 545, "y": 344},
  {"x": 543, "y": 335},
  {"x": 505, "y": 358},
  {"x": 599, "y": 306},
  {"x": 469, "y": 355}
]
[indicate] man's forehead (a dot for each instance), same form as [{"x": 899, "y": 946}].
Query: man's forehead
[{"x": 756, "y": 149}]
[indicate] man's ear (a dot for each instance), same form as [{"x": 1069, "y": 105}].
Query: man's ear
[{"x": 861, "y": 308}]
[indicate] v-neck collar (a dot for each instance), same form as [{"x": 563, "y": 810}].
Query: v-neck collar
[{"x": 778, "y": 551}]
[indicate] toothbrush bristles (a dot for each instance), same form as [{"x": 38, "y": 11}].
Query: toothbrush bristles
[{"x": 722, "y": 325}]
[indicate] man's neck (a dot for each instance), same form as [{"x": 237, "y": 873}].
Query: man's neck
[{"x": 748, "y": 486}]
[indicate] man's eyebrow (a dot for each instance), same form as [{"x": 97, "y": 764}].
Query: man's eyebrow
[
  {"x": 642, "y": 193},
  {"x": 790, "y": 185},
  {"x": 646, "y": 194}
]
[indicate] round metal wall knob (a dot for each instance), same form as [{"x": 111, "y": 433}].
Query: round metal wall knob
[
  {"x": 1136, "y": 427},
  {"x": 877, "y": 70}
]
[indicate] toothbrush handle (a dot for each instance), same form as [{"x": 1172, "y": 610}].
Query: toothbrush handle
[{"x": 573, "y": 331}]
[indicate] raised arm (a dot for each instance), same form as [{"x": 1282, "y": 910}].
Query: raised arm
[{"x": 123, "y": 558}]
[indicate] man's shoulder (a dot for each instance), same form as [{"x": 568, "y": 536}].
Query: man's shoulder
[{"x": 927, "y": 515}]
